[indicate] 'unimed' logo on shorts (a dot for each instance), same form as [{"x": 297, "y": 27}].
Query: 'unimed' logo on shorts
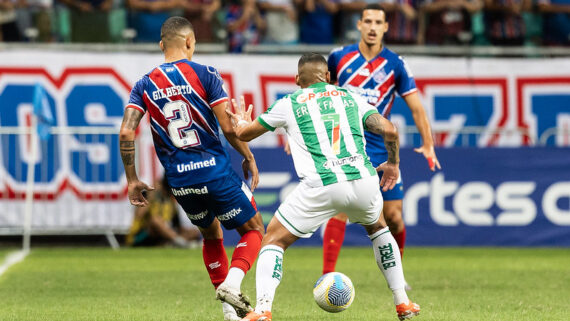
[
  {"x": 229, "y": 215},
  {"x": 189, "y": 190}
]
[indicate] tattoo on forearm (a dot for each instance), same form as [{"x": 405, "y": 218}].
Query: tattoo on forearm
[
  {"x": 393, "y": 151},
  {"x": 128, "y": 152},
  {"x": 132, "y": 118},
  {"x": 374, "y": 124},
  {"x": 131, "y": 121}
]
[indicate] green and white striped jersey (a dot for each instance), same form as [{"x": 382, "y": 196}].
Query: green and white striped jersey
[{"x": 325, "y": 127}]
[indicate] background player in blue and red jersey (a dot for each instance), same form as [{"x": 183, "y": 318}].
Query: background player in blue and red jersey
[
  {"x": 187, "y": 102},
  {"x": 373, "y": 71}
]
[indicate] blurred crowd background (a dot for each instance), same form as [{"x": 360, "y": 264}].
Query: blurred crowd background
[{"x": 240, "y": 22}]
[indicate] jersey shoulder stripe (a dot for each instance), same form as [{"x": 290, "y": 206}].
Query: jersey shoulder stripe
[{"x": 192, "y": 78}]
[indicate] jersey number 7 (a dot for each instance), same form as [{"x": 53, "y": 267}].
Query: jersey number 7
[{"x": 333, "y": 120}]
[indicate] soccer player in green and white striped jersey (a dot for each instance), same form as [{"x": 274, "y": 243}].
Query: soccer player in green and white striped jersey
[{"x": 325, "y": 126}]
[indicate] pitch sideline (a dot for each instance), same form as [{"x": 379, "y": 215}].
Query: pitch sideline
[{"x": 12, "y": 259}]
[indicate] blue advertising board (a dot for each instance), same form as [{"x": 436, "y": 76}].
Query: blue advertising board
[{"x": 481, "y": 197}]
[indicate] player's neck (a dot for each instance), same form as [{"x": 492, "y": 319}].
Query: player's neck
[
  {"x": 369, "y": 51},
  {"x": 174, "y": 55}
]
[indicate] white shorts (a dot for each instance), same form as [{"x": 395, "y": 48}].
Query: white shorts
[{"x": 307, "y": 208}]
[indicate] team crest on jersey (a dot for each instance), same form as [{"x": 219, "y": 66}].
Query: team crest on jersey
[
  {"x": 214, "y": 72},
  {"x": 379, "y": 76}
]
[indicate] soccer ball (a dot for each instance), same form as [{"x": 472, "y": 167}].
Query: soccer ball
[{"x": 334, "y": 292}]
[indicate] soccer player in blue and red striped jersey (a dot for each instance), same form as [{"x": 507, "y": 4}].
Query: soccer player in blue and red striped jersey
[
  {"x": 187, "y": 103},
  {"x": 378, "y": 74}
]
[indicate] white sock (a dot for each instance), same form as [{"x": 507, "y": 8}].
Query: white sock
[
  {"x": 268, "y": 276},
  {"x": 388, "y": 259},
  {"x": 235, "y": 277},
  {"x": 228, "y": 308}
]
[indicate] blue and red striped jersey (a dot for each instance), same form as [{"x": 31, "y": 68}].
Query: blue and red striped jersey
[
  {"x": 179, "y": 97},
  {"x": 378, "y": 80}
]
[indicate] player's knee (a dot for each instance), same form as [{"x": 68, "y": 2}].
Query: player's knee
[
  {"x": 373, "y": 228},
  {"x": 212, "y": 235},
  {"x": 212, "y": 232},
  {"x": 254, "y": 224},
  {"x": 283, "y": 241},
  {"x": 394, "y": 221},
  {"x": 260, "y": 229},
  {"x": 278, "y": 235},
  {"x": 392, "y": 212}
]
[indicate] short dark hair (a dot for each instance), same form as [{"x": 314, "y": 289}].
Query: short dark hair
[
  {"x": 172, "y": 27},
  {"x": 372, "y": 6},
  {"x": 311, "y": 58}
]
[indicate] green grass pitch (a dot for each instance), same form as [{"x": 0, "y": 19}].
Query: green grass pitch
[
  {"x": 4, "y": 252},
  {"x": 170, "y": 284}
]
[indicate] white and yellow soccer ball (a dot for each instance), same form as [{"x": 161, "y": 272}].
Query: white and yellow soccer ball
[{"x": 334, "y": 292}]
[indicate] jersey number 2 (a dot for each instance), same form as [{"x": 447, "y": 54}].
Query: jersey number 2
[
  {"x": 178, "y": 114},
  {"x": 334, "y": 120}
]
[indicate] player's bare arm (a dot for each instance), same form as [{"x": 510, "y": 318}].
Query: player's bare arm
[
  {"x": 248, "y": 164},
  {"x": 379, "y": 125},
  {"x": 131, "y": 121},
  {"x": 422, "y": 123}
]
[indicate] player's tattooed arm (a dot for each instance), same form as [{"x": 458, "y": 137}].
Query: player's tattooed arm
[
  {"x": 131, "y": 121},
  {"x": 393, "y": 149},
  {"x": 390, "y": 172},
  {"x": 128, "y": 152},
  {"x": 379, "y": 125}
]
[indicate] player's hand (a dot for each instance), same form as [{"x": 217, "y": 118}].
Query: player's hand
[
  {"x": 242, "y": 116},
  {"x": 136, "y": 193},
  {"x": 390, "y": 175},
  {"x": 249, "y": 166},
  {"x": 429, "y": 154}
]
